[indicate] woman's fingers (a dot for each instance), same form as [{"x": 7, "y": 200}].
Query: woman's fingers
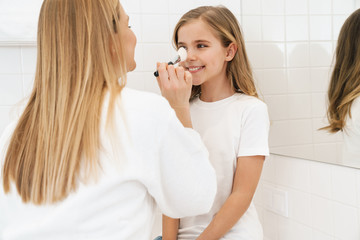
[
  {"x": 180, "y": 73},
  {"x": 163, "y": 78}
]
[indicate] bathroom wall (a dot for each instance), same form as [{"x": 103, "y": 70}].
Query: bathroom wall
[{"x": 296, "y": 198}]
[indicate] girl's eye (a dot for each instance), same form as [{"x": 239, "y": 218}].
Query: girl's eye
[{"x": 201, "y": 45}]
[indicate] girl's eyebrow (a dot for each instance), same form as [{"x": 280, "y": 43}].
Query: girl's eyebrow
[{"x": 196, "y": 41}]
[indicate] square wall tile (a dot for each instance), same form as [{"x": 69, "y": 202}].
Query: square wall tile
[
  {"x": 320, "y": 78},
  {"x": 29, "y": 57},
  {"x": 279, "y": 133},
  {"x": 338, "y": 21},
  {"x": 296, "y": 7},
  {"x": 299, "y": 206},
  {"x": 5, "y": 118},
  {"x": 136, "y": 26},
  {"x": 268, "y": 172},
  {"x": 320, "y": 179},
  {"x": 322, "y": 216},
  {"x": 289, "y": 229},
  {"x": 343, "y": 6},
  {"x": 155, "y": 29},
  {"x": 319, "y": 7},
  {"x": 320, "y": 28},
  {"x": 277, "y": 105},
  {"x": 150, "y": 83},
  {"x": 346, "y": 222},
  {"x": 299, "y": 106},
  {"x": 10, "y": 60},
  {"x": 273, "y": 82},
  {"x": 297, "y": 28},
  {"x": 233, "y": 5},
  {"x": 293, "y": 173},
  {"x": 135, "y": 80},
  {"x": 299, "y": 80},
  {"x": 11, "y": 91},
  {"x": 326, "y": 152},
  {"x": 273, "y": 7},
  {"x": 273, "y": 55},
  {"x": 154, "y": 6},
  {"x": 344, "y": 185},
  {"x": 131, "y": 6},
  {"x": 300, "y": 132},
  {"x": 321, "y": 54},
  {"x": 255, "y": 53},
  {"x": 155, "y": 53},
  {"x": 252, "y": 28},
  {"x": 318, "y": 105},
  {"x": 28, "y": 84},
  {"x": 273, "y": 28},
  {"x": 317, "y": 235},
  {"x": 251, "y": 7},
  {"x": 298, "y": 54},
  {"x": 270, "y": 225}
]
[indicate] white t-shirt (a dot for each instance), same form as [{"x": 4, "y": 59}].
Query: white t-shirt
[
  {"x": 351, "y": 135},
  {"x": 230, "y": 128},
  {"x": 158, "y": 163}
]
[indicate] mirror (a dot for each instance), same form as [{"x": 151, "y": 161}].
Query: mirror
[{"x": 292, "y": 68}]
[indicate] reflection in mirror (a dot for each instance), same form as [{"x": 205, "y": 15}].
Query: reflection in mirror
[
  {"x": 293, "y": 75},
  {"x": 344, "y": 90}
]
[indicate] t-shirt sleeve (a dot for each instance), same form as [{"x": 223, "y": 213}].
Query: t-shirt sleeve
[
  {"x": 183, "y": 179},
  {"x": 254, "y": 131}
]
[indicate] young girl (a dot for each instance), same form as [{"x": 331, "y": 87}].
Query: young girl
[
  {"x": 230, "y": 118},
  {"x": 344, "y": 89}
]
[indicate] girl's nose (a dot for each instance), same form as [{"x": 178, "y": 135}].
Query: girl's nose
[{"x": 190, "y": 55}]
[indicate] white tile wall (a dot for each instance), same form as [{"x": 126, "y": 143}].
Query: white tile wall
[{"x": 290, "y": 44}]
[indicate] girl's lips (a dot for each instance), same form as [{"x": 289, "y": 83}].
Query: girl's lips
[{"x": 195, "y": 69}]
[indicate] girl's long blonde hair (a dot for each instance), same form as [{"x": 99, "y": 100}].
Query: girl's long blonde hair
[
  {"x": 345, "y": 79},
  {"x": 56, "y": 140},
  {"x": 226, "y": 26}
]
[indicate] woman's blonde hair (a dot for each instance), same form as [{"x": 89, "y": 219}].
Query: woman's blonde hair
[
  {"x": 226, "y": 27},
  {"x": 56, "y": 141},
  {"x": 345, "y": 79}
]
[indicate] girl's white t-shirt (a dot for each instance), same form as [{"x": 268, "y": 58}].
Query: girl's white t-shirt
[
  {"x": 147, "y": 161},
  {"x": 230, "y": 128}
]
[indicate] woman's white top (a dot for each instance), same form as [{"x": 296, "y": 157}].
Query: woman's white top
[
  {"x": 230, "y": 128},
  {"x": 351, "y": 135},
  {"x": 155, "y": 162}
]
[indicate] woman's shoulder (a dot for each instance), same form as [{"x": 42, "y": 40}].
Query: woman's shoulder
[{"x": 143, "y": 101}]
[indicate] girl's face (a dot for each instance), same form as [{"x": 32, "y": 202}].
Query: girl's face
[
  {"x": 206, "y": 57},
  {"x": 128, "y": 39}
]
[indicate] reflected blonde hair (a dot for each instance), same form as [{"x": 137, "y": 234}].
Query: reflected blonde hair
[
  {"x": 345, "y": 79},
  {"x": 56, "y": 141},
  {"x": 227, "y": 29}
]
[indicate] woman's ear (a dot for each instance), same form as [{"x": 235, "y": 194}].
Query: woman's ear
[{"x": 230, "y": 52}]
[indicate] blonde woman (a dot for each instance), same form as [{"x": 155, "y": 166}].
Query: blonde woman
[
  {"x": 344, "y": 89},
  {"x": 89, "y": 158},
  {"x": 231, "y": 120}
]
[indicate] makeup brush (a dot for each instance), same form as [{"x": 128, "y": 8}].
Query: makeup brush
[{"x": 181, "y": 56}]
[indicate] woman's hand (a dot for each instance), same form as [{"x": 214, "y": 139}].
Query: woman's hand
[{"x": 175, "y": 84}]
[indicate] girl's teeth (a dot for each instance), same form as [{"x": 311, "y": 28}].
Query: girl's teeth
[{"x": 194, "y": 69}]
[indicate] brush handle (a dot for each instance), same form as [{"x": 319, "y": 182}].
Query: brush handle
[{"x": 156, "y": 74}]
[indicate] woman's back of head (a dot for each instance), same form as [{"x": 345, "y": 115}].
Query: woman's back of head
[
  {"x": 345, "y": 79},
  {"x": 58, "y": 133}
]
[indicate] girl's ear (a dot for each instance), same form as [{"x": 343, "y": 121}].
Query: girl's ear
[{"x": 230, "y": 52}]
